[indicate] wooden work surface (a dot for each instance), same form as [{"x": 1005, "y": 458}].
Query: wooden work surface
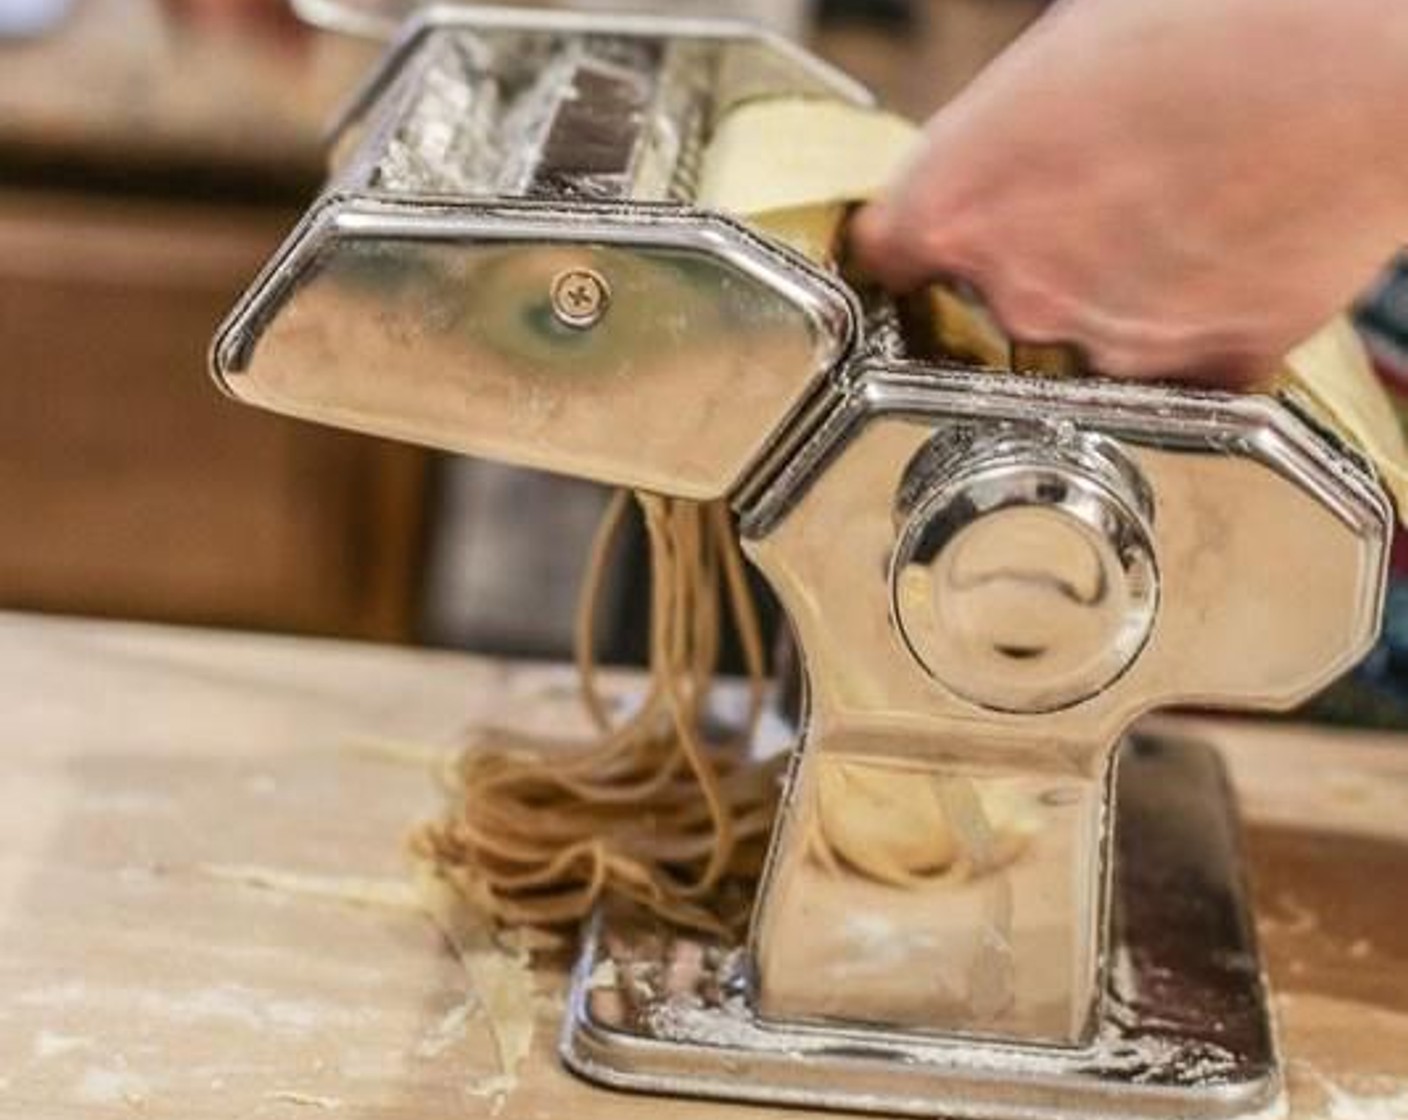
[{"x": 134, "y": 982}]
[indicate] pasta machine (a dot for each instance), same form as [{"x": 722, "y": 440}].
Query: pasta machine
[{"x": 989, "y": 576}]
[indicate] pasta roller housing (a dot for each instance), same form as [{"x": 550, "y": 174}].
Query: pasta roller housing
[
  {"x": 505, "y": 261},
  {"x": 990, "y": 577}
]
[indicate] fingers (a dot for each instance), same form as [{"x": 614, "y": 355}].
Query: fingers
[
  {"x": 1091, "y": 202},
  {"x": 1207, "y": 367},
  {"x": 880, "y": 248},
  {"x": 1040, "y": 314}
]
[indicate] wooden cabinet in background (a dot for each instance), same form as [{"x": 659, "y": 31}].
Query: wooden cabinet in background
[{"x": 128, "y": 485}]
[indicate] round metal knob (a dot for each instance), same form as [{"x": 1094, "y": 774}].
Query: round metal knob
[{"x": 1024, "y": 579}]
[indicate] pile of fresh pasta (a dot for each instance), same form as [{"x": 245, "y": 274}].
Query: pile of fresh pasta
[{"x": 654, "y": 808}]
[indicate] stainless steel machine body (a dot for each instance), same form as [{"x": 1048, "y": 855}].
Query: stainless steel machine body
[{"x": 990, "y": 576}]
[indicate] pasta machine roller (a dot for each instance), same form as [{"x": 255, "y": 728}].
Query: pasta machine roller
[{"x": 990, "y": 576}]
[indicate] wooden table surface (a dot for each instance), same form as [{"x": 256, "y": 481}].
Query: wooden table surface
[{"x": 134, "y": 982}]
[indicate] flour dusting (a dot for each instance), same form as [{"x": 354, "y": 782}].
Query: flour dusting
[
  {"x": 111, "y": 1085},
  {"x": 53, "y": 1044}
]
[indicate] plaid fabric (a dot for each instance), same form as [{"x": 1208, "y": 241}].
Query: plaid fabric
[{"x": 1382, "y": 319}]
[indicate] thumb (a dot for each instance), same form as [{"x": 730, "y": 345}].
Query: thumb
[
  {"x": 880, "y": 247},
  {"x": 912, "y": 235}
]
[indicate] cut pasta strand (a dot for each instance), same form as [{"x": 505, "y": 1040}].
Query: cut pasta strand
[{"x": 653, "y": 808}]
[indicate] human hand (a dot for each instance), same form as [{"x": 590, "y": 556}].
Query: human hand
[
  {"x": 1183, "y": 189},
  {"x": 271, "y": 18}
]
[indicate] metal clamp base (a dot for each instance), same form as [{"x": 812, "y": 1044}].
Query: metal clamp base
[{"x": 1185, "y": 1030}]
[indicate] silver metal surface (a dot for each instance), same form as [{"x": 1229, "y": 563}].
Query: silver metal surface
[
  {"x": 762, "y": 63},
  {"x": 497, "y": 149},
  {"x": 1024, "y": 577},
  {"x": 1185, "y": 1034},
  {"x": 1271, "y": 553},
  {"x": 487, "y": 102},
  {"x": 989, "y": 578},
  {"x": 432, "y": 322},
  {"x": 382, "y": 19}
]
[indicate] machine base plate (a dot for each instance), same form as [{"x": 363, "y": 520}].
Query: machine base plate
[{"x": 1185, "y": 1029}]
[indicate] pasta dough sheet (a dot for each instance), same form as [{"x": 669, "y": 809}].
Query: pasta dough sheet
[
  {"x": 800, "y": 153},
  {"x": 793, "y": 165},
  {"x": 1332, "y": 371}
]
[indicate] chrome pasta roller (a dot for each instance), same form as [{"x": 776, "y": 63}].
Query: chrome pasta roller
[{"x": 990, "y": 576}]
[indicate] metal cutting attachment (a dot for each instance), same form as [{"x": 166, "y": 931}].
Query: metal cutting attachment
[{"x": 990, "y": 576}]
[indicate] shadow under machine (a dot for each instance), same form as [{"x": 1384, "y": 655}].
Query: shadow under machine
[{"x": 989, "y": 576}]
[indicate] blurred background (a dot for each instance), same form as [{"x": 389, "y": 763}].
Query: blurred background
[{"x": 152, "y": 155}]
